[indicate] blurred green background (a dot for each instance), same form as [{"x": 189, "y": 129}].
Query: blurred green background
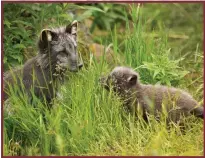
[{"x": 182, "y": 23}]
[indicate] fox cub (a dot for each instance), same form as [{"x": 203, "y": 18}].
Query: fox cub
[{"x": 149, "y": 98}]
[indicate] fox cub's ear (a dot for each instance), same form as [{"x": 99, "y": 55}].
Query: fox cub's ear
[
  {"x": 45, "y": 37},
  {"x": 72, "y": 29},
  {"x": 132, "y": 79}
]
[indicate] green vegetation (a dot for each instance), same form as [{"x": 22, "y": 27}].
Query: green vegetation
[{"x": 163, "y": 42}]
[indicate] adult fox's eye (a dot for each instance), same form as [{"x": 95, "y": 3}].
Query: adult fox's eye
[
  {"x": 70, "y": 46},
  {"x": 63, "y": 54}
]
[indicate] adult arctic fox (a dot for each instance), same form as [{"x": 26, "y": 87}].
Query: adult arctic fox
[{"x": 41, "y": 74}]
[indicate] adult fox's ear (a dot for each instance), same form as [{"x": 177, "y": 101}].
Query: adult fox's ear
[
  {"x": 72, "y": 29},
  {"x": 132, "y": 79},
  {"x": 46, "y": 36}
]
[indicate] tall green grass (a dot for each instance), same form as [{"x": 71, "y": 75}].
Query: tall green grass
[{"x": 88, "y": 120}]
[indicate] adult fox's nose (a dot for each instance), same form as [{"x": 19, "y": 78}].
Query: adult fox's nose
[
  {"x": 75, "y": 67},
  {"x": 74, "y": 70}
]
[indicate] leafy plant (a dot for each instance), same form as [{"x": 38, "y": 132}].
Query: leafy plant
[
  {"x": 112, "y": 15},
  {"x": 165, "y": 71}
]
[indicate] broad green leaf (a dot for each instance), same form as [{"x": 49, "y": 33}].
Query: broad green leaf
[
  {"x": 21, "y": 46},
  {"x": 7, "y": 23}
]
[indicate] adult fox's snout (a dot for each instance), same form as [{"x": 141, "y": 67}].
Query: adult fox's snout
[{"x": 75, "y": 66}]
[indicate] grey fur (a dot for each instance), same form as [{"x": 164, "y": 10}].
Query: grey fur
[
  {"x": 149, "y": 98},
  {"x": 57, "y": 53}
]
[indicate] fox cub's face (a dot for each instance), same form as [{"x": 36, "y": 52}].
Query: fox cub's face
[
  {"x": 121, "y": 80},
  {"x": 61, "y": 45}
]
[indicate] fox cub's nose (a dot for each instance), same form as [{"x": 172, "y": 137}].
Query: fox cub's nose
[{"x": 102, "y": 80}]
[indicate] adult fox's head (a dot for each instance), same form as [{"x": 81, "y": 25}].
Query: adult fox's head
[{"x": 60, "y": 47}]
